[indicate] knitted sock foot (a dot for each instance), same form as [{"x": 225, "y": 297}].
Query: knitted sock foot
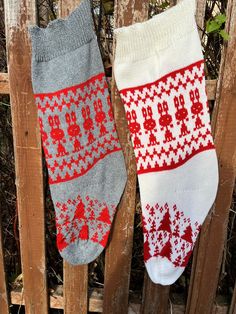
[
  {"x": 159, "y": 70},
  {"x": 83, "y": 155}
]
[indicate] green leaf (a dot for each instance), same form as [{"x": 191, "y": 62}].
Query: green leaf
[
  {"x": 224, "y": 34},
  {"x": 212, "y": 26},
  {"x": 220, "y": 18}
]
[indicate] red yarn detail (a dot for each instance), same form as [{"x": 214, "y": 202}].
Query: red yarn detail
[
  {"x": 84, "y": 234},
  {"x": 168, "y": 233},
  {"x": 61, "y": 242},
  {"x": 104, "y": 240},
  {"x": 76, "y": 174},
  {"x": 83, "y": 219},
  {"x": 164, "y": 78},
  {"x": 168, "y": 119},
  {"x": 105, "y": 216},
  {"x": 74, "y": 88},
  {"x": 74, "y": 126}
]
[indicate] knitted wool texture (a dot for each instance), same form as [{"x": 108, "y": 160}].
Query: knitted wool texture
[
  {"x": 159, "y": 71},
  {"x": 84, "y": 159}
]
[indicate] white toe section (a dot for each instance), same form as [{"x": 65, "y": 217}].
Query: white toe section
[{"x": 162, "y": 271}]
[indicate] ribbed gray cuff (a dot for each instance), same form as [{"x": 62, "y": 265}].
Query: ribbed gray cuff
[{"x": 63, "y": 35}]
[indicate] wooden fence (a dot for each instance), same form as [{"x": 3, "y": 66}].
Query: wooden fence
[{"x": 114, "y": 298}]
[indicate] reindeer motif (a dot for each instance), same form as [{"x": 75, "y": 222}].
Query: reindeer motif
[
  {"x": 149, "y": 125},
  {"x": 73, "y": 130},
  {"x": 88, "y": 124},
  {"x": 100, "y": 117},
  {"x": 134, "y": 128},
  {"x": 165, "y": 121},
  {"x": 181, "y": 114},
  {"x": 196, "y": 108},
  {"x": 57, "y": 134}
]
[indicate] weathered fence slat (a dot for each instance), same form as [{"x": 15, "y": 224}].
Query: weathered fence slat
[
  {"x": 28, "y": 155},
  {"x": 214, "y": 232},
  {"x": 75, "y": 289},
  {"x": 119, "y": 251},
  {"x": 4, "y": 301},
  {"x": 211, "y": 93},
  {"x": 155, "y": 297},
  {"x": 4, "y": 83},
  {"x": 200, "y": 14},
  {"x": 75, "y": 284}
]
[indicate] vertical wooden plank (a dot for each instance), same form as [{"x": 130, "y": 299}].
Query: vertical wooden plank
[
  {"x": 200, "y": 14},
  {"x": 119, "y": 251},
  {"x": 75, "y": 284},
  {"x": 28, "y": 156},
  {"x": 75, "y": 287},
  {"x": 200, "y": 17},
  {"x": 214, "y": 232},
  {"x": 155, "y": 297},
  {"x": 4, "y": 298}
]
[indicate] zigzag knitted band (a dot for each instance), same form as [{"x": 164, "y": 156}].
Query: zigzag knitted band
[
  {"x": 159, "y": 72},
  {"x": 83, "y": 154}
]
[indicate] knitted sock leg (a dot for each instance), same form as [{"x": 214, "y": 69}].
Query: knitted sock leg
[
  {"x": 159, "y": 71},
  {"x": 84, "y": 158}
]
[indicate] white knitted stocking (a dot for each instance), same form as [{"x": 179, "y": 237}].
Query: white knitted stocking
[{"x": 159, "y": 70}]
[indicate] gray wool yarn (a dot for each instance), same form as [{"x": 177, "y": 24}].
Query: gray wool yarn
[{"x": 84, "y": 159}]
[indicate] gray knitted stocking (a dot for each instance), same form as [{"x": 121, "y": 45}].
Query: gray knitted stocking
[{"x": 83, "y": 155}]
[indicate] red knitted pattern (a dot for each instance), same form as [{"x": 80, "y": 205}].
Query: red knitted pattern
[
  {"x": 168, "y": 233},
  {"x": 168, "y": 119},
  {"x": 91, "y": 220},
  {"x": 69, "y": 129}
]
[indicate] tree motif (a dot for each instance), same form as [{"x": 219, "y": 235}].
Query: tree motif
[
  {"x": 80, "y": 211},
  {"x": 187, "y": 236},
  {"x": 165, "y": 223},
  {"x": 146, "y": 251},
  {"x": 83, "y": 235},
  {"x": 166, "y": 250},
  {"x": 105, "y": 216}
]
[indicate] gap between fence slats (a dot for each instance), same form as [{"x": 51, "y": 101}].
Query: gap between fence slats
[
  {"x": 28, "y": 156},
  {"x": 75, "y": 284},
  {"x": 214, "y": 232}
]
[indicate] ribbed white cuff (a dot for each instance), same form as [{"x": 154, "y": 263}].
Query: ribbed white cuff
[{"x": 137, "y": 41}]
